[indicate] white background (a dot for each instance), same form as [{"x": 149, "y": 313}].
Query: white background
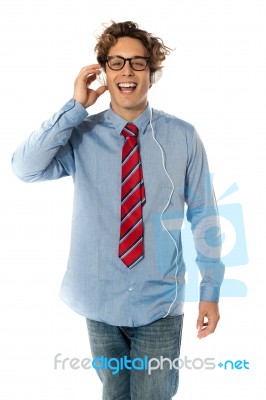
[{"x": 214, "y": 79}]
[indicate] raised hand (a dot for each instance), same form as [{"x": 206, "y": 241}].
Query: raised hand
[{"x": 82, "y": 91}]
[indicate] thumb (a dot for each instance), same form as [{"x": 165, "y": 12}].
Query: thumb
[{"x": 101, "y": 90}]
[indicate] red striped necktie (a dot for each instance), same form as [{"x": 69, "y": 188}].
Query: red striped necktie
[{"x": 132, "y": 199}]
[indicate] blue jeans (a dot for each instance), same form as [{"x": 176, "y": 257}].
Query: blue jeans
[{"x": 160, "y": 339}]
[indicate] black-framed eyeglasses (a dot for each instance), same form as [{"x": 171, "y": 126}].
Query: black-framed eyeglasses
[{"x": 137, "y": 63}]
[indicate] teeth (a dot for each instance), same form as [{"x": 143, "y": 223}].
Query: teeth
[{"x": 126, "y": 85}]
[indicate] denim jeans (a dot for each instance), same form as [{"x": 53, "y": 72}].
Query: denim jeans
[{"x": 161, "y": 338}]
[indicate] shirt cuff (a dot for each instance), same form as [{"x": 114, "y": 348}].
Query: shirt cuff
[
  {"x": 76, "y": 112},
  {"x": 209, "y": 293}
]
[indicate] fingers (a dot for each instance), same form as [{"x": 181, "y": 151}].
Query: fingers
[
  {"x": 201, "y": 326},
  {"x": 207, "y": 319},
  {"x": 87, "y": 75},
  {"x": 205, "y": 329},
  {"x": 82, "y": 92},
  {"x": 88, "y": 71}
]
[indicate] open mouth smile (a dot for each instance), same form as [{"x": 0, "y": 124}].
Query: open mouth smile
[{"x": 127, "y": 87}]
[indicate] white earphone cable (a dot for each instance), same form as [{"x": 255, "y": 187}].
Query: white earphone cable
[{"x": 165, "y": 208}]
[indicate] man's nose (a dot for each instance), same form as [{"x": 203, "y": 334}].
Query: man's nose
[{"x": 127, "y": 70}]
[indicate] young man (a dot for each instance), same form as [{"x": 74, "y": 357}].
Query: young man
[{"x": 134, "y": 169}]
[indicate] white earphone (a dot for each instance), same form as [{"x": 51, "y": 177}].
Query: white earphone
[
  {"x": 156, "y": 76},
  {"x": 101, "y": 78}
]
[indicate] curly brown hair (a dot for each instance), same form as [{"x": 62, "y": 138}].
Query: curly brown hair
[{"x": 154, "y": 45}]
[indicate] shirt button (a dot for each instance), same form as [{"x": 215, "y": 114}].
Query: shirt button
[{"x": 130, "y": 289}]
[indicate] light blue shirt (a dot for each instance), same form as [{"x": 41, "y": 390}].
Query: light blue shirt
[{"x": 96, "y": 283}]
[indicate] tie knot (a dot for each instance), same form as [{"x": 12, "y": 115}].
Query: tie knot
[{"x": 130, "y": 130}]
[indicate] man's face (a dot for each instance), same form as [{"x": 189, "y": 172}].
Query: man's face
[{"x": 128, "y": 88}]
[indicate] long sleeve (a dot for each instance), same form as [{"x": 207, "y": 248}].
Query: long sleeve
[
  {"x": 38, "y": 158},
  {"x": 203, "y": 215}
]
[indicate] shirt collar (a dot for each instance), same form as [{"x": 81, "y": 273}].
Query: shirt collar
[{"x": 141, "y": 121}]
